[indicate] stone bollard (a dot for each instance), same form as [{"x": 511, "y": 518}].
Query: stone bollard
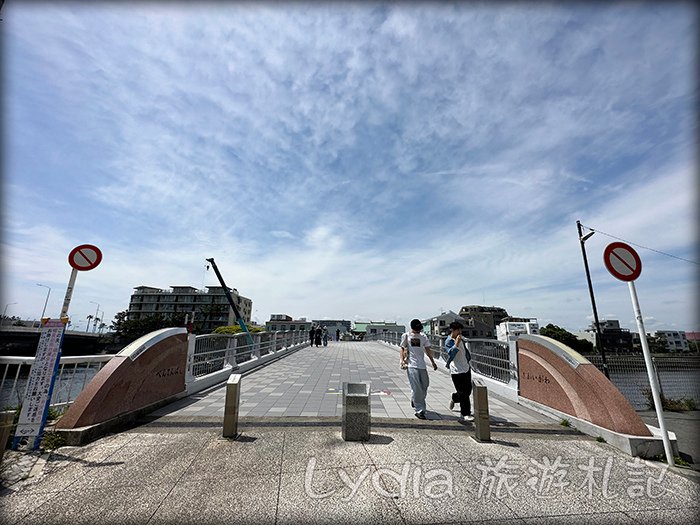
[
  {"x": 233, "y": 399},
  {"x": 481, "y": 412},
  {"x": 7, "y": 417},
  {"x": 356, "y": 412}
]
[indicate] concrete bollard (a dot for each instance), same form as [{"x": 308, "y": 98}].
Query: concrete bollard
[
  {"x": 233, "y": 399},
  {"x": 356, "y": 412},
  {"x": 482, "y": 424},
  {"x": 7, "y": 417}
]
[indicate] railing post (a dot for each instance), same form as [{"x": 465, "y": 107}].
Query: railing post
[
  {"x": 191, "y": 344},
  {"x": 231, "y": 346},
  {"x": 256, "y": 346}
]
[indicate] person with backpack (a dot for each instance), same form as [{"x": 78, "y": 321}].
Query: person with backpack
[
  {"x": 414, "y": 347},
  {"x": 460, "y": 371}
]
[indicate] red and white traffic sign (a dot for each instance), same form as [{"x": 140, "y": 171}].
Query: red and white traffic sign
[
  {"x": 85, "y": 257},
  {"x": 622, "y": 261}
]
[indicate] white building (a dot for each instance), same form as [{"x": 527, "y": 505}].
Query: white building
[
  {"x": 510, "y": 329},
  {"x": 676, "y": 340}
]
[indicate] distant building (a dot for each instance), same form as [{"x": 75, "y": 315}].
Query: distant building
[
  {"x": 615, "y": 339},
  {"x": 483, "y": 319},
  {"x": 360, "y": 330},
  {"x": 512, "y": 327},
  {"x": 379, "y": 327},
  {"x": 440, "y": 325},
  {"x": 210, "y": 307},
  {"x": 676, "y": 340},
  {"x": 333, "y": 324},
  {"x": 284, "y": 322}
]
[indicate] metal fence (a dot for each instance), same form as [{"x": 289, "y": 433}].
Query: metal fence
[
  {"x": 74, "y": 373},
  {"x": 490, "y": 358},
  {"x": 678, "y": 376},
  {"x": 213, "y": 352}
]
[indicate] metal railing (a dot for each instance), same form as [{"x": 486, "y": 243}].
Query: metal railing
[
  {"x": 490, "y": 358},
  {"x": 214, "y": 352},
  {"x": 678, "y": 376},
  {"x": 74, "y": 373}
]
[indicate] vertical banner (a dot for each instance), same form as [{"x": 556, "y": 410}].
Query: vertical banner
[{"x": 37, "y": 397}]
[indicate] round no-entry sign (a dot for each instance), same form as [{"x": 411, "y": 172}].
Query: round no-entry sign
[
  {"x": 85, "y": 257},
  {"x": 622, "y": 261}
]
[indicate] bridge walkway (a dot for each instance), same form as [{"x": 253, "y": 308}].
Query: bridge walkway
[{"x": 310, "y": 381}]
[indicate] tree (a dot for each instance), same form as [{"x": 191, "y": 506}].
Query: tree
[
  {"x": 563, "y": 336},
  {"x": 236, "y": 329},
  {"x": 131, "y": 329}
]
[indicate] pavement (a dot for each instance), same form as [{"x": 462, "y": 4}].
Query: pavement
[{"x": 291, "y": 465}]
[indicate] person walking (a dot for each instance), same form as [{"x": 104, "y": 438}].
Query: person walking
[
  {"x": 460, "y": 372},
  {"x": 414, "y": 347},
  {"x": 325, "y": 336},
  {"x": 337, "y": 334},
  {"x": 317, "y": 337},
  {"x": 312, "y": 334}
]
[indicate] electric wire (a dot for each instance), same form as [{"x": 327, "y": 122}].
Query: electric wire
[{"x": 640, "y": 246}]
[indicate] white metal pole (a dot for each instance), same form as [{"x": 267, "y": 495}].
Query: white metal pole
[
  {"x": 652, "y": 377},
  {"x": 69, "y": 293}
]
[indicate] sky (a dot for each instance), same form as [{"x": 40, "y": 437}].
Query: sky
[{"x": 360, "y": 161}]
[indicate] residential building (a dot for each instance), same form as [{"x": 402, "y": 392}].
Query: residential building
[
  {"x": 210, "y": 307},
  {"x": 483, "y": 319},
  {"x": 676, "y": 340},
  {"x": 512, "y": 327},
  {"x": 284, "y": 322},
  {"x": 615, "y": 339},
  {"x": 440, "y": 324}
]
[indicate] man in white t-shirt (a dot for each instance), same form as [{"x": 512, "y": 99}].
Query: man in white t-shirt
[
  {"x": 414, "y": 347},
  {"x": 461, "y": 372}
]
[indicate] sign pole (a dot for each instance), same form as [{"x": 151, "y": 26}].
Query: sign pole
[
  {"x": 652, "y": 377},
  {"x": 69, "y": 293}
]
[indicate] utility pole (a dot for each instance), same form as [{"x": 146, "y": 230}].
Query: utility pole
[{"x": 599, "y": 336}]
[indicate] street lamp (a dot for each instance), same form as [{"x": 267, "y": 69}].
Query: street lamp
[
  {"x": 582, "y": 239},
  {"x": 4, "y": 313},
  {"x": 47, "y": 299}
]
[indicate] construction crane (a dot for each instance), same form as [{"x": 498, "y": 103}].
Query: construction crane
[{"x": 240, "y": 320}]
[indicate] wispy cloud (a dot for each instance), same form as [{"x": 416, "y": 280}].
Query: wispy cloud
[{"x": 352, "y": 160}]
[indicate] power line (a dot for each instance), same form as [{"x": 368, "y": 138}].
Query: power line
[{"x": 640, "y": 246}]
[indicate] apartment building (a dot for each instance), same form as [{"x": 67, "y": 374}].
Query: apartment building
[
  {"x": 676, "y": 340},
  {"x": 210, "y": 307}
]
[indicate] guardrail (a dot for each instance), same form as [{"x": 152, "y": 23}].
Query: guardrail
[
  {"x": 73, "y": 374},
  {"x": 490, "y": 357}
]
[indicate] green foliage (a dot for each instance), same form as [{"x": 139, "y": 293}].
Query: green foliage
[
  {"x": 672, "y": 405},
  {"x": 236, "y": 329},
  {"x": 600, "y": 439},
  {"x": 52, "y": 440},
  {"x": 563, "y": 336},
  {"x": 694, "y": 346},
  {"x": 657, "y": 345},
  {"x": 54, "y": 413},
  {"x": 135, "y": 328},
  {"x": 679, "y": 461},
  {"x": 565, "y": 423}
]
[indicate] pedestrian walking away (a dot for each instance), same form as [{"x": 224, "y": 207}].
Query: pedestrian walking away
[
  {"x": 414, "y": 347},
  {"x": 337, "y": 334},
  {"x": 325, "y": 336},
  {"x": 460, "y": 371},
  {"x": 317, "y": 336},
  {"x": 312, "y": 334}
]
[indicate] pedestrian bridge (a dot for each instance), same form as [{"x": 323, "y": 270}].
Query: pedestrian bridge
[{"x": 175, "y": 375}]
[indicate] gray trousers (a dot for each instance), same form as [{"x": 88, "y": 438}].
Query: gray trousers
[{"x": 419, "y": 381}]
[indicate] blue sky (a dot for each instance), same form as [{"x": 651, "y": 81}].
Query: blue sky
[{"x": 354, "y": 161}]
